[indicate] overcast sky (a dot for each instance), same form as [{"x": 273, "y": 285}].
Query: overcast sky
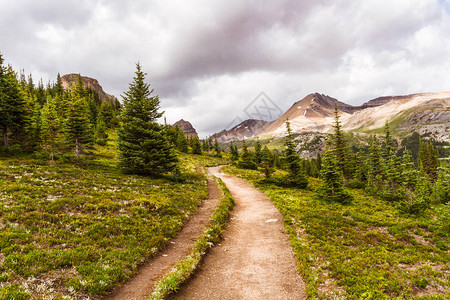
[{"x": 208, "y": 60}]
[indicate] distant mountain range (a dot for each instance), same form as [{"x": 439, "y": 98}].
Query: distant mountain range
[
  {"x": 247, "y": 129},
  {"x": 426, "y": 113}
]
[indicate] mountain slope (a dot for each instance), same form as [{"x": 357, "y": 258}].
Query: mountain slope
[
  {"x": 312, "y": 113},
  {"x": 246, "y": 129},
  {"x": 426, "y": 113}
]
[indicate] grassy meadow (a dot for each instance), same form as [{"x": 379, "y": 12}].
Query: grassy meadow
[
  {"x": 75, "y": 230},
  {"x": 365, "y": 250}
]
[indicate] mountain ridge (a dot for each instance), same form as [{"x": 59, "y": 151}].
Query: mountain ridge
[
  {"x": 246, "y": 129},
  {"x": 426, "y": 113}
]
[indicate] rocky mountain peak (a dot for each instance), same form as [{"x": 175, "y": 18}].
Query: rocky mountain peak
[
  {"x": 70, "y": 80},
  {"x": 187, "y": 128}
]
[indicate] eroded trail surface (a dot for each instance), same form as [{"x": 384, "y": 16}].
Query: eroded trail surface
[
  {"x": 254, "y": 260},
  {"x": 140, "y": 286}
]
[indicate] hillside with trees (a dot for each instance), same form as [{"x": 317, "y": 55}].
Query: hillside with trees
[{"x": 92, "y": 189}]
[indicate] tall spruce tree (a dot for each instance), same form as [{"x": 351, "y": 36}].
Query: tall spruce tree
[
  {"x": 258, "y": 155},
  {"x": 50, "y": 127},
  {"x": 246, "y": 161},
  {"x": 217, "y": 148},
  {"x": 267, "y": 162},
  {"x": 234, "y": 151},
  {"x": 428, "y": 160},
  {"x": 142, "y": 143},
  {"x": 388, "y": 141},
  {"x": 78, "y": 131},
  {"x": 375, "y": 166},
  {"x": 196, "y": 146},
  {"x": 296, "y": 175},
  {"x": 417, "y": 194},
  {"x": 341, "y": 147},
  {"x": 333, "y": 185},
  {"x": 12, "y": 106}
]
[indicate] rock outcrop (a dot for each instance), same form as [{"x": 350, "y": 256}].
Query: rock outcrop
[
  {"x": 188, "y": 129},
  {"x": 70, "y": 80}
]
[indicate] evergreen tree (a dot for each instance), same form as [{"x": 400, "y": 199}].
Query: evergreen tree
[
  {"x": 416, "y": 188},
  {"x": 388, "y": 142},
  {"x": 319, "y": 163},
  {"x": 234, "y": 151},
  {"x": 375, "y": 166},
  {"x": 246, "y": 161},
  {"x": 333, "y": 185},
  {"x": 182, "y": 141},
  {"x": 341, "y": 147},
  {"x": 143, "y": 147},
  {"x": 78, "y": 132},
  {"x": 58, "y": 88},
  {"x": 210, "y": 143},
  {"x": 41, "y": 93},
  {"x": 33, "y": 128},
  {"x": 107, "y": 112},
  {"x": 50, "y": 127},
  {"x": 391, "y": 189},
  {"x": 314, "y": 172},
  {"x": 360, "y": 173},
  {"x": 296, "y": 177},
  {"x": 276, "y": 159},
  {"x": 442, "y": 187},
  {"x": 217, "y": 148},
  {"x": 267, "y": 162},
  {"x": 428, "y": 160},
  {"x": 204, "y": 145},
  {"x": 258, "y": 155},
  {"x": 101, "y": 136},
  {"x": 13, "y": 116},
  {"x": 196, "y": 146}
]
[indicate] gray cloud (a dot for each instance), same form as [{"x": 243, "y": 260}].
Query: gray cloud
[{"x": 207, "y": 59}]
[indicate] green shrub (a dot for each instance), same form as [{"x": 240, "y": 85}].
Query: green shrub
[{"x": 13, "y": 292}]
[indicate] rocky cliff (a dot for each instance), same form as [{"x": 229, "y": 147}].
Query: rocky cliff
[
  {"x": 188, "y": 129},
  {"x": 70, "y": 80}
]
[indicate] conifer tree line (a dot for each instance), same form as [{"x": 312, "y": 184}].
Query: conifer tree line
[
  {"x": 49, "y": 119},
  {"x": 384, "y": 172},
  {"x": 383, "y": 168},
  {"x": 193, "y": 144}
]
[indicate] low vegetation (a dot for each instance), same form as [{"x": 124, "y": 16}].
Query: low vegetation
[
  {"x": 187, "y": 266},
  {"x": 70, "y": 230},
  {"x": 367, "y": 249}
]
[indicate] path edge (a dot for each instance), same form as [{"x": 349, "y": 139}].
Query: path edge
[{"x": 187, "y": 266}]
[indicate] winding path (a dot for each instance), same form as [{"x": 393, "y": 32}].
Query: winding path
[
  {"x": 255, "y": 259},
  {"x": 142, "y": 284}
]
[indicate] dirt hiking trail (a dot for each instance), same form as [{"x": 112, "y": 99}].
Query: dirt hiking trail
[
  {"x": 254, "y": 260},
  {"x": 141, "y": 285}
]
